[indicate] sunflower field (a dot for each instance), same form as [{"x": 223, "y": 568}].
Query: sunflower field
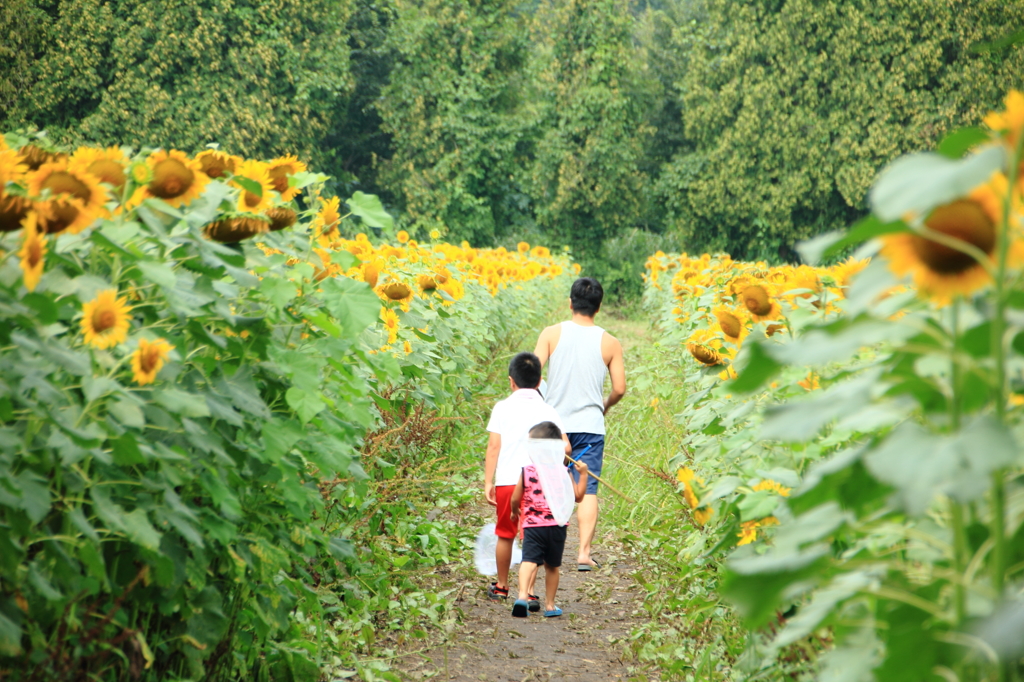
[
  {"x": 200, "y": 358},
  {"x": 852, "y": 460}
]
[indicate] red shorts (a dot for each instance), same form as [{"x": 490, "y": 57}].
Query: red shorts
[{"x": 505, "y": 528}]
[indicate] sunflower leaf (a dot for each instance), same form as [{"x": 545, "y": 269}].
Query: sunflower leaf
[
  {"x": 917, "y": 183},
  {"x": 370, "y": 210},
  {"x": 250, "y": 186}
]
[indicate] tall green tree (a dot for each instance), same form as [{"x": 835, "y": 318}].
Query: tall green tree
[
  {"x": 455, "y": 110},
  {"x": 259, "y": 77},
  {"x": 586, "y": 180},
  {"x": 790, "y": 107}
]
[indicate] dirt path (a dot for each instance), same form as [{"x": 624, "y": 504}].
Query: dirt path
[
  {"x": 586, "y": 643},
  {"x": 599, "y": 608}
]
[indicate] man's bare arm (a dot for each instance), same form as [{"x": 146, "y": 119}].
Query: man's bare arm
[
  {"x": 617, "y": 372},
  {"x": 543, "y": 349}
]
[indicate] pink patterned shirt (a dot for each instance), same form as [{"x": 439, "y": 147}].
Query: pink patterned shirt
[{"x": 534, "y": 510}]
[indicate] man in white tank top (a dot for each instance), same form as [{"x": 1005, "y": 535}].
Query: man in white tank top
[{"x": 579, "y": 355}]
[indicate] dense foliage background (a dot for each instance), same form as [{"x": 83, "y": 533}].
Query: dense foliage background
[{"x": 743, "y": 126}]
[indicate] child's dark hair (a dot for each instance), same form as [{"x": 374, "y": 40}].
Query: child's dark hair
[
  {"x": 547, "y": 431},
  {"x": 525, "y": 370},
  {"x": 586, "y": 296}
]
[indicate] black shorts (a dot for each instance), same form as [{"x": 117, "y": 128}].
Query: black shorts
[{"x": 544, "y": 545}]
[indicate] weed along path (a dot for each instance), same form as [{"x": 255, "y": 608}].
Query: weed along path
[
  {"x": 601, "y": 608},
  {"x": 582, "y": 644}
]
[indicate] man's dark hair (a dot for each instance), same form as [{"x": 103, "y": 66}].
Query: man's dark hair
[
  {"x": 546, "y": 430},
  {"x": 586, "y": 296},
  {"x": 525, "y": 370}
]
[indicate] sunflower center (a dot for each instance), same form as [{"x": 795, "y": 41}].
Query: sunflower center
[
  {"x": 251, "y": 200},
  {"x": 149, "y": 359},
  {"x": 730, "y": 324},
  {"x": 13, "y": 210},
  {"x": 171, "y": 178},
  {"x": 103, "y": 320},
  {"x": 755, "y": 298},
  {"x": 35, "y": 252},
  {"x": 279, "y": 178},
  {"x": 59, "y": 215},
  {"x": 62, "y": 182},
  {"x": 108, "y": 171},
  {"x": 964, "y": 220},
  {"x": 708, "y": 356}
]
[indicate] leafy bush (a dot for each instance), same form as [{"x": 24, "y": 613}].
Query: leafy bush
[{"x": 186, "y": 476}]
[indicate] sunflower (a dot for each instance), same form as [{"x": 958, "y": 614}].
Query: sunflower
[
  {"x": 748, "y": 529},
  {"x": 397, "y": 291},
  {"x": 1011, "y": 121},
  {"x": 407, "y": 347},
  {"x": 774, "y": 486},
  {"x": 702, "y": 516},
  {"x": 845, "y": 271},
  {"x": 176, "y": 179},
  {"x": 402, "y": 236},
  {"x": 810, "y": 382},
  {"x": 328, "y": 217},
  {"x": 35, "y": 156},
  {"x": 107, "y": 165},
  {"x": 454, "y": 289},
  {"x": 233, "y": 230},
  {"x": 105, "y": 319},
  {"x": 522, "y": 247},
  {"x": 33, "y": 251},
  {"x": 257, "y": 174},
  {"x": 426, "y": 283},
  {"x": 281, "y": 217},
  {"x": 937, "y": 269},
  {"x": 371, "y": 272},
  {"x": 773, "y": 329},
  {"x": 216, "y": 164},
  {"x": 705, "y": 354},
  {"x": 148, "y": 360},
  {"x": 282, "y": 168},
  {"x": 390, "y": 319},
  {"x": 435, "y": 234},
  {"x": 758, "y": 301},
  {"x": 13, "y": 210},
  {"x": 732, "y": 323},
  {"x": 12, "y": 167},
  {"x": 67, "y": 197}
]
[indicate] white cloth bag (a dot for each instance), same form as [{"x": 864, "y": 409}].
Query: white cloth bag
[{"x": 548, "y": 456}]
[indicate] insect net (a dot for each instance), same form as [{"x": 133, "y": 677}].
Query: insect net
[{"x": 547, "y": 456}]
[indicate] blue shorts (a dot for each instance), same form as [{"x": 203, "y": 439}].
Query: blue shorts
[{"x": 593, "y": 457}]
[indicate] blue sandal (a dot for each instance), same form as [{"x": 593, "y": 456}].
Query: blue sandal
[
  {"x": 520, "y": 609},
  {"x": 554, "y": 613}
]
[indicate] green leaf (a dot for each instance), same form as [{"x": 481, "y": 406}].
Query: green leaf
[
  {"x": 305, "y": 403},
  {"x": 824, "y": 601},
  {"x": 757, "y": 505},
  {"x": 799, "y": 420},
  {"x": 279, "y": 435},
  {"x": 757, "y": 368},
  {"x": 956, "y": 144},
  {"x": 250, "y": 186},
  {"x": 917, "y": 183},
  {"x": 280, "y": 292},
  {"x": 10, "y": 636},
  {"x": 126, "y": 450},
  {"x": 158, "y": 273},
  {"x": 754, "y": 584},
  {"x": 370, "y": 210},
  {"x": 353, "y": 304},
  {"x": 46, "y": 310},
  {"x": 302, "y": 368},
  {"x": 864, "y": 230},
  {"x": 180, "y": 402},
  {"x": 35, "y": 496}
]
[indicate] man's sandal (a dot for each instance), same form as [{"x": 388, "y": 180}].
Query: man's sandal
[
  {"x": 588, "y": 567},
  {"x": 519, "y": 609},
  {"x": 534, "y": 603},
  {"x": 496, "y": 593},
  {"x": 553, "y": 613}
]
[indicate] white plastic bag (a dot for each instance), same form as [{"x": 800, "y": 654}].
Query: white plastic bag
[
  {"x": 483, "y": 553},
  {"x": 548, "y": 456}
]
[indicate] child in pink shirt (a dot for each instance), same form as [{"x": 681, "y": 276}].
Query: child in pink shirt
[{"x": 543, "y": 538}]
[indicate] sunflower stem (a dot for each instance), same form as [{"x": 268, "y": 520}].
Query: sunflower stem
[
  {"x": 956, "y": 508},
  {"x": 999, "y": 356}
]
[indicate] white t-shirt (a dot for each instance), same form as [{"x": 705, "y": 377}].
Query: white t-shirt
[{"x": 512, "y": 419}]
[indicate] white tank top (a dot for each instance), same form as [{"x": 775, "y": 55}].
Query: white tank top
[{"x": 576, "y": 373}]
